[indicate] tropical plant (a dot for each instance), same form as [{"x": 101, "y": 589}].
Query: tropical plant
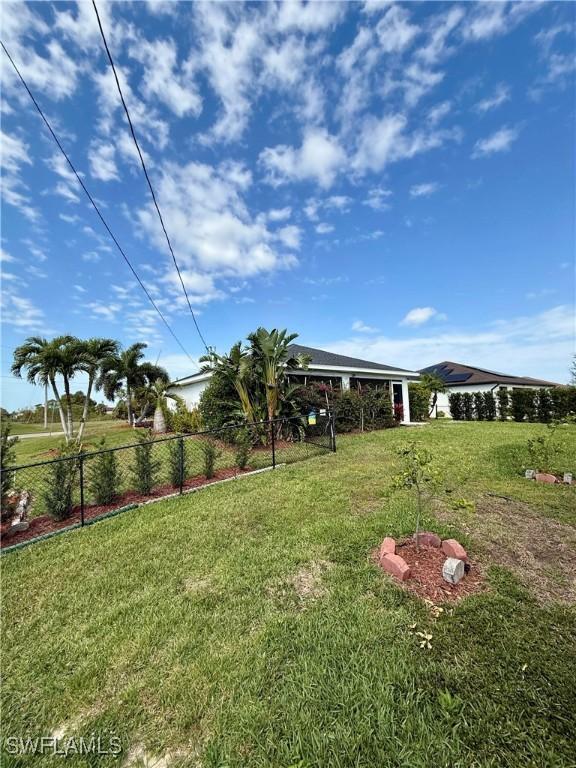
[
  {"x": 160, "y": 391},
  {"x": 434, "y": 384},
  {"x": 185, "y": 420},
  {"x": 418, "y": 474},
  {"x": 125, "y": 370},
  {"x": 104, "y": 475},
  {"x": 210, "y": 454},
  {"x": 503, "y": 404},
  {"x": 145, "y": 468},
  {"x": 91, "y": 355},
  {"x": 456, "y": 405},
  {"x": 43, "y": 361}
]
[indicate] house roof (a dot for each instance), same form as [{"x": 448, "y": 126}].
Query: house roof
[
  {"x": 453, "y": 374},
  {"x": 322, "y": 357}
]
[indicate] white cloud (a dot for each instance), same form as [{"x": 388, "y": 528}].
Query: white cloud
[
  {"x": 91, "y": 256},
  {"x": 5, "y": 257},
  {"x": 102, "y": 162},
  {"x": 501, "y": 141},
  {"x": 15, "y": 153},
  {"x": 500, "y": 95},
  {"x": 279, "y": 214},
  {"x": 377, "y": 198},
  {"x": 394, "y": 31},
  {"x": 360, "y": 327},
  {"x": 323, "y": 228},
  {"x": 491, "y": 19},
  {"x": 539, "y": 345},
  {"x": 290, "y": 236},
  {"x": 421, "y": 315},
  {"x": 424, "y": 190},
  {"x": 21, "y": 312},
  {"x": 308, "y": 16},
  {"x": 319, "y": 158},
  {"x": 439, "y": 29}
]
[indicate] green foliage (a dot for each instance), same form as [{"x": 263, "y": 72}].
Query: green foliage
[
  {"x": 243, "y": 445},
  {"x": 61, "y": 479},
  {"x": 178, "y": 461},
  {"x": 456, "y": 405},
  {"x": 503, "y": 398},
  {"x": 543, "y": 450},
  {"x": 418, "y": 474},
  {"x": 479, "y": 411},
  {"x": 145, "y": 468},
  {"x": 489, "y": 406},
  {"x": 366, "y": 410},
  {"x": 419, "y": 401},
  {"x": 184, "y": 420},
  {"x": 523, "y": 406},
  {"x": 210, "y": 454},
  {"x": 544, "y": 406},
  {"x": 467, "y": 406},
  {"x": 104, "y": 475},
  {"x": 218, "y": 406},
  {"x": 7, "y": 460}
]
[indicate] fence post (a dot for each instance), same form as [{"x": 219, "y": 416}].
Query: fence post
[
  {"x": 273, "y": 445},
  {"x": 181, "y": 460},
  {"x": 81, "y": 489},
  {"x": 333, "y": 431}
]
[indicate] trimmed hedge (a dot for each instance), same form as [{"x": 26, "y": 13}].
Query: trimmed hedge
[{"x": 543, "y": 405}]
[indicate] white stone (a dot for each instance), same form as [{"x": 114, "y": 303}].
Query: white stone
[
  {"x": 567, "y": 478},
  {"x": 453, "y": 570},
  {"x": 529, "y": 474}
]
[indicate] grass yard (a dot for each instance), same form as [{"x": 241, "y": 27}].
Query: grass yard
[{"x": 246, "y": 625}]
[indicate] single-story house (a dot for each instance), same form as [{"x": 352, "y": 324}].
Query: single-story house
[
  {"x": 328, "y": 367},
  {"x": 458, "y": 377}
]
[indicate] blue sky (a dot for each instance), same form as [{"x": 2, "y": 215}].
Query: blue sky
[{"x": 393, "y": 181}]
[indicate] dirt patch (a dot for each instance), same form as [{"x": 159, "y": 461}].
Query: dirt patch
[
  {"x": 426, "y": 580},
  {"x": 303, "y": 587},
  {"x": 45, "y": 524},
  {"x": 540, "y": 552},
  {"x": 197, "y": 586}
]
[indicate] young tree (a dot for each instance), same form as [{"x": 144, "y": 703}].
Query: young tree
[
  {"x": 126, "y": 370},
  {"x": 160, "y": 392},
  {"x": 418, "y": 474},
  {"x": 92, "y": 354}
]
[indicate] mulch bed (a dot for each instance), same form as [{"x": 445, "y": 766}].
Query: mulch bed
[
  {"x": 45, "y": 524},
  {"x": 426, "y": 580}
]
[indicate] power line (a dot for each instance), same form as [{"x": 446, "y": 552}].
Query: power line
[
  {"x": 133, "y": 132},
  {"x": 91, "y": 199}
]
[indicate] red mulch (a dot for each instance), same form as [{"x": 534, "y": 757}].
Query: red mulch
[
  {"x": 426, "y": 580},
  {"x": 45, "y": 524}
]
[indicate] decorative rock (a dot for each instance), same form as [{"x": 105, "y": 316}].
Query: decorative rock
[
  {"x": 529, "y": 474},
  {"x": 567, "y": 478},
  {"x": 388, "y": 547},
  {"x": 544, "y": 477},
  {"x": 452, "y": 548},
  {"x": 428, "y": 539},
  {"x": 396, "y": 566},
  {"x": 453, "y": 570}
]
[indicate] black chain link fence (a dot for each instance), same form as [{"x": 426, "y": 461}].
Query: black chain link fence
[{"x": 73, "y": 490}]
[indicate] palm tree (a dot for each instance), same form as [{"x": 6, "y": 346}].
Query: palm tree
[
  {"x": 434, "y": 384},
  {"x": 271, "y": 358},
  {"x": 124, "y": 369},
  {"x": 91, "y": 355},
  {"x": 43, "y": 361},
  {"x": 160, "y": 391},
  {"x": 235, "y": 367}
]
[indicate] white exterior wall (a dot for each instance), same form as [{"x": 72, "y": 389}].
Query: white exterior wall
[{"x": 191, "y": 392}]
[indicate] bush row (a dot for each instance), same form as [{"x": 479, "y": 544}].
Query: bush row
[
  {"x": 543, "y": 405},
  {"x": 367, "y": 410}
]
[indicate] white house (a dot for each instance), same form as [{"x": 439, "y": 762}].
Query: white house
[
  {"x": 458, "y": 377},
  {"x": 328, "y": 367}
]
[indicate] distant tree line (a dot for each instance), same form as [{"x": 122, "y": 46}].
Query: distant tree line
[{"x": 526, "y": 404}]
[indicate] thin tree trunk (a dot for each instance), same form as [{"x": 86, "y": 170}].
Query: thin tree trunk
[
  {"x": 159, "y": 425},
  {"x": 68, "y": 408},
  {"x": 86, "y": 407},
  {"x": 60, "y": 409},
  {"x": 129, "y": 404}
]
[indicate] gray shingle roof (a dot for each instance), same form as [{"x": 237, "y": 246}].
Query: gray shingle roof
[
  {"x": 457, "y": 373},
  {"x": 322, "y": 357}
]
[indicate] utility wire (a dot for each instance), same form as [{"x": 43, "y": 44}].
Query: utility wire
[
  {"x": 91, "y": 199},
  {"x": 133, "y": 132}
]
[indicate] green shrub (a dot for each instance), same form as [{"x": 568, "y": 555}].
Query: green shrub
[
  {"x": 210, "y": 454},
  {"x": 376, "y": 409},
  {"x": 479, "y": 411},
  {"x": 544, "y": 406},
  {"x": 104, "y": 475},
  {"x": 61, "y": 479},
  {"x": 503, "y": 404},
  {"x": 243, "y": 445},
  {"x": 178, "y": 462},
  {"x": 468, "y": 406},
  {"x": 489, "y": 406},
  {"x": 7, "y": 456},
  {"x": 145, "y": 468},
  {"x": 184, "y": 420},
  {"x": 543, "y": 450},
  {"x": 518, "y": 404},
  {"x": 218, "y": 403},
  {"x": 419, "y": 401},
  {"x": 456, "y": 405}
]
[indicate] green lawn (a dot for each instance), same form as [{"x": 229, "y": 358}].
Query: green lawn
[{"x": 246, "y": 625}]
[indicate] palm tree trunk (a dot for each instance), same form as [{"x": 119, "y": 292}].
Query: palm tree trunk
[
  {"x": 85, "y": 409},
  {"x": 60, "y": 408},
  {"x": 68, "y": 408},
  {"x": 159, "y": 425},
  {"x": 129, "y": 404}
]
